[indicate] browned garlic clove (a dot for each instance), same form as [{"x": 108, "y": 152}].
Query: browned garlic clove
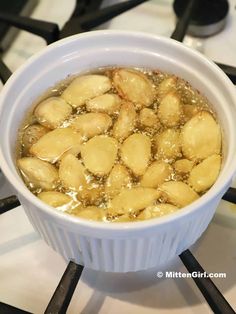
[
  {"x": 56, "y": 199},
  {"x": 72, "y": 173},
  {"x": 99, "y": 154},
  {"x": 168, "y": 145},
  {"x": 125, "y": 123},
  {"x": 107, "y": 103},
  {"x": 133, "y": 200},
  {"x": 86, "y": 87},
  {"x": 166, "y": 86},
  {"x": 157, "y": 210},
  {"x": 135, "y": 153},
  {"x": 31, "y": 135},
  {"x": 89, "y": 212},
  {"x": 183, "y": 166},
  {"x": 178, "y": 193},
  {"x": 91, "y": 124},
  {"x": 52, "y": 145},
  {"x": 170, "y": 110},
  {"x": 37, "y": 173},
  {"x": 134, "y": 86},
  {"x": 148, "y": 118},
  {"x": 118, "y": 178},
  {"x": 201, "y": 137},
  {"x": 157, "y": 173},
  {"x": 52, "y": 112},
  {"x": 204, "y": 175}
]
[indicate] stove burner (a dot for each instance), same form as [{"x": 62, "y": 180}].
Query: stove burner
[{"x": 208, "y": 17}]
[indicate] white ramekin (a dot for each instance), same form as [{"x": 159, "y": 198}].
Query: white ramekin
[{"x": 118, "y": 247}]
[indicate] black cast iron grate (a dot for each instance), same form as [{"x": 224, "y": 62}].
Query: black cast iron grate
[{"x": 86, "y": 15}]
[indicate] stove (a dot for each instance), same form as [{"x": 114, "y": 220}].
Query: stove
[{"x": 31, "y": 272}]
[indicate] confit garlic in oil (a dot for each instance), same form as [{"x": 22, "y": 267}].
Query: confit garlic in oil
[{"x": 120, "y": 145}]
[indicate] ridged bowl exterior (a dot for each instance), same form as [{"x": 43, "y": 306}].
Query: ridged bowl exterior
[{"x": 122, "y": 254}]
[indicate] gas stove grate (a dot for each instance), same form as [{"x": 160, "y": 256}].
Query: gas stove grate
[
  {"x": 8, "y": 309},
  {"x": 85, "y": 16}
]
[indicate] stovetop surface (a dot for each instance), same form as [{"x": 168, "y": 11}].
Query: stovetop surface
[{"x": 30, "y": 270}]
